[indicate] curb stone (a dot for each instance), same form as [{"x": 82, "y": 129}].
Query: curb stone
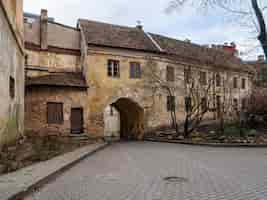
[
  {"x": 208, "y": 144},
  {"x": 24, "y": 190}
]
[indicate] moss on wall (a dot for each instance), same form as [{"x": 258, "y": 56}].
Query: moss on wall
[{"x": 11, "y": 131}]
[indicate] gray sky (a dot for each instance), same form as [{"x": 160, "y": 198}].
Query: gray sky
[{"x": 199, "y": 27}]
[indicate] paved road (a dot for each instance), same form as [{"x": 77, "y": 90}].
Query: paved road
[{"x": 137, "y": 171}]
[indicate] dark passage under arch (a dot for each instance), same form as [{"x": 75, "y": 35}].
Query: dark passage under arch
[{"x": 131, "y": 119}]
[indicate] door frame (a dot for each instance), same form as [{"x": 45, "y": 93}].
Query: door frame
[{"x": 82, "y": 121}]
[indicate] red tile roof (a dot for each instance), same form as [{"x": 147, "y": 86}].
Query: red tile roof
[
  {"x": 109, "y": 35},
  {"x": 97, "y": 33}
]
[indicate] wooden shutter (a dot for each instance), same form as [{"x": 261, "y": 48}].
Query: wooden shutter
[{"x": 54, "y": 113}]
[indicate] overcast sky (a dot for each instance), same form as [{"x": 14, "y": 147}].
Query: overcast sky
[{"x": 199, "y": 27}]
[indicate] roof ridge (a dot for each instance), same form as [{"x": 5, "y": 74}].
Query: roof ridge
[
  {"x": 178, "y": 40},
  {"x": 107, "y": 23},
  {"x": 154, "y": 41}
]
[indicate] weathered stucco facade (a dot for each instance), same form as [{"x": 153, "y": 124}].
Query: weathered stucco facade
[
  {"x": 53, "y": 73},
  {"x": 36, "y": 108},
  {"x": 105, "y": 91},
  {"x": 11, "y": 71},
  {"x": 116, "y": 89}
]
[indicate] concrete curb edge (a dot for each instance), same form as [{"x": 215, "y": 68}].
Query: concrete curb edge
[
  {"x": 209, "y": 144},
  {"x": 20, "y": 195}
]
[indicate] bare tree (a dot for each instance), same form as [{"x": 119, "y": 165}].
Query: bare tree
[
  {"x": 197, "y": 100},
  {"x": 156, "y": 81},
  {"x": 199, "y": 94},
  {"x": 258, "y": 103},
  {"x": 250, "y": 13},
  {"x": 224, "y": 102}
]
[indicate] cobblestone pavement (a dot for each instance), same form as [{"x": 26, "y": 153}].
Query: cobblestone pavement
[{"x": 136, "y": 171}]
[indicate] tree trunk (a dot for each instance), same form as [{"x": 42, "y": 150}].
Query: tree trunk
[
  {"x": 173, "y": 114},
  {"x": 263, "y": 35},
  {"x": 186, "y": 127}
]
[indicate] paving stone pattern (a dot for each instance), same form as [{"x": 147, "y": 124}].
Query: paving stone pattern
[{"x": 138, "y": 171}]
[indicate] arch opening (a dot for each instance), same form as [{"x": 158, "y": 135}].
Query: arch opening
[{"x": 124, "y": 119}]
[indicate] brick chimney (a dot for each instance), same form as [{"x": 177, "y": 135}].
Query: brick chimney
[
  {"x": 139, "y": 25},
  {"x": 43, "y": 29},
  {"x": 230, "y": 48}
]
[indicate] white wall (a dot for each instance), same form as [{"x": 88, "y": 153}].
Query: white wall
[{"x": 112, "y": 122}]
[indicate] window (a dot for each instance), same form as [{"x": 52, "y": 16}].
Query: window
[
  {"x": 11, "y": 87},
  {"x": 204, "y": 104},
  {"x": 218, "y": 102},
  {"x": 170, "y": 74},
  {"x": 170, "y": 103},
  {"x": 203, "y": 78},
  {"x": 188, "y": 104},
  {"x": 135, "y": 70},
  {"x": 243, "y": 83},
  {"x": 218, "y": 80},
  {"x": 54, "y": 113},
  {"x": 244, "y": 104},
  {"x": 114, "y": 68},
  {"x": 111, "y": 111},
  {"x": 187, "y": 75},
  {"x": 235, "y": 104},
  {"x": 26, "y": 60},
  {"x": 235, "y": 82}
]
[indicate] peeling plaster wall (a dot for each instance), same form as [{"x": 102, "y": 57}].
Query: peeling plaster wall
[
  {"x": 36, "y": 109},
  {"x": 42, "y": 62},
  {"x": 106, "y": 90},
  {"x": 112, "y": 122},
  {"x": 11, "y": 65}
]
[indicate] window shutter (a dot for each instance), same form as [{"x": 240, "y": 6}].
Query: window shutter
[{"x": 54, "y": 113}]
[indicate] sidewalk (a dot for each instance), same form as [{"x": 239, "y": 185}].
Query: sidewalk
[{"x": 17, "y": 184}]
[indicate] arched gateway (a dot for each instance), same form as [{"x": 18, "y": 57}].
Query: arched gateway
[{"x": 124, "y": 119}]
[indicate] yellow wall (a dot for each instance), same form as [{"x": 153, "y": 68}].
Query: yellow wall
[
  {"x": 53, "y": 62},
  {"x": 105, "y": 90}
]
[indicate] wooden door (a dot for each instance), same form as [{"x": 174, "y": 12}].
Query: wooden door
[{"x": 76, "y": 120}]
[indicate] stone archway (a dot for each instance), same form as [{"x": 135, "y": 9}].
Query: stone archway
[{"x": 131, "y": 119}]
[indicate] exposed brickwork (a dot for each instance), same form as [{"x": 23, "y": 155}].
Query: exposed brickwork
[{"x": 36, "y": 109}]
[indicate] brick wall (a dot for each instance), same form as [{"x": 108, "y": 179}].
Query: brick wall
[{"x": 36, "y": 109}]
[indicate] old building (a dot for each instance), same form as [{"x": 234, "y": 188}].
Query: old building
[
  {"x": 260, "y": 67},
  {"x": 56, "y": 90},
  {"x": 11, "y": 70},
  {"x": 116, "y": 81}
]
